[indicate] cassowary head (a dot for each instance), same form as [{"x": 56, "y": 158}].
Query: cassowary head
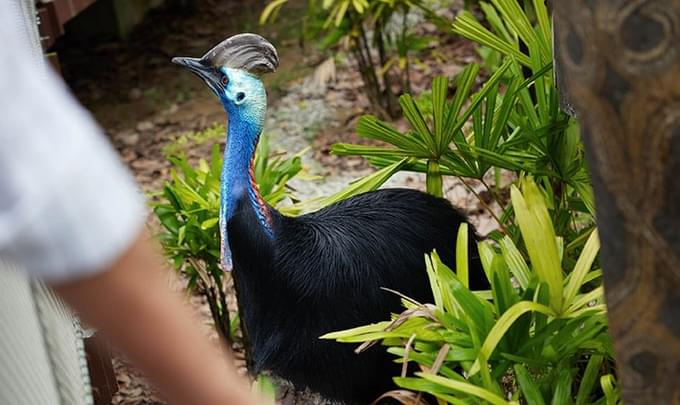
[{"x": 232, "y": 68}]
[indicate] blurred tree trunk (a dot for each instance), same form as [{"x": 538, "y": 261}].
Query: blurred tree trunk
[{"x": 621, "y": 66}]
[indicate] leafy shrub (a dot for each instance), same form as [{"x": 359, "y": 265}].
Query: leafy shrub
[
  {"x": 188, "y": 211},
  {"x": 538, "y": 336},
  {"x": 511, "y": 123}
]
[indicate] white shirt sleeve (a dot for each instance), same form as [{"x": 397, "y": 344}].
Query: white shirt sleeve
[{"x": 68, "y": 207}]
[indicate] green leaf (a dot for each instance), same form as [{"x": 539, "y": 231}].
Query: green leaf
[
  {"x": 464, "y": 82},
  {"x": 589, "y": 378},
  {"x": 466, "y": 388},
  {"x": 434, "y": 285},
  {"x": 503, "y": 324},
  {"x": 440, "y": 87},
  {"x": 562, "y": 395},
  {"x": 360, "y": 330},
  {"x": 372, "y": 128},
  {"x": 530, "y": 391},
  {"x": 539, "y": 237},
  {"x": 418, "y": 384},
  {"x": 371, "y": 151},
  {"x": 516, "y": 19},
  {"x": 607, "y": 382},
  {"x": 583, "y": 265},
  {"x": 270, "y": 9},
  {"x": 340, "y": 11},
  {"x": 209, "y": 223},
  {"x": 181, "y": 234},
  {"x": 515, "y": 262},
  {"x": 415, "y": 118},
  {"x": 462, "y": 255},
  {"x": 363, "y": 185},
  {"x": 466, "y": 25}
]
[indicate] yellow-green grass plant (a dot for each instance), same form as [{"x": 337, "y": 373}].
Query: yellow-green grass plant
[{"x": 538, "y": 336}]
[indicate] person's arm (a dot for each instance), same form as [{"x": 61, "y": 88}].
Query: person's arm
[
  {"x": 131, "y": 304},
  {"x": 72, "y": 216}
]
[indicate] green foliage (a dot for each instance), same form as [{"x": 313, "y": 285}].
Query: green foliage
[
  {"x": 188, "y": 210},
  {"x": 214, "y": 133},
  {"x": 512, "y": 123},
  {"x": 539, "y": 336},
  {"x": 379, "y": 37}
]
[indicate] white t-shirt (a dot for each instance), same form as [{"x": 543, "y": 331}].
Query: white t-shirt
[{"x": 68, "y": 207}]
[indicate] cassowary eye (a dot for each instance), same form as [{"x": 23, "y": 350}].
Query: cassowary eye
[
  {"x": 240, "y": 96},
  {"x": 225, "y": 80}
]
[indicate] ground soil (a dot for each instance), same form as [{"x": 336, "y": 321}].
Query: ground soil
[{"x": 144, "y": 102}]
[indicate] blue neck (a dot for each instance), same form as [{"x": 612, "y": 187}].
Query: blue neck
[{"x": 237, "y": 182}]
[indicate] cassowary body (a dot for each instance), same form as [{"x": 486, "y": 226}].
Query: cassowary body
[
  {"x": 299, "y": 278},
  {"x": 324, "y": 271}
]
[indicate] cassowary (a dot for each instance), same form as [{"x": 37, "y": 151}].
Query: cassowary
[{"x": 299, "y": 278}]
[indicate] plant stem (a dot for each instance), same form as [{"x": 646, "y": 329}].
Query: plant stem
[
  {"x": 389, "y": 99},
  {"x": 486, "y": 206},
  {"x": 218, "y": 306},
  {"x": 407, "y": 68},
  {"x": 435, "y": 185},
  {"x": 493, "y": 194}
]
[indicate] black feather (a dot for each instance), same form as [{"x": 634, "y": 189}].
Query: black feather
[{"x": 323, "y": 271}]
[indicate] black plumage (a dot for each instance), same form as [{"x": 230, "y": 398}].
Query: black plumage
[{"x": 324, "y": 271}]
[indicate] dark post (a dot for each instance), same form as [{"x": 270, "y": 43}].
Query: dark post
[{"x": 621, "y": 66}]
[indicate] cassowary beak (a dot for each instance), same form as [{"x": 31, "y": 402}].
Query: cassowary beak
[{"x": 204, "y": 70}]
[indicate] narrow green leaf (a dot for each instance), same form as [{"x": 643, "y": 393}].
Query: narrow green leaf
[
  {"x": 588, "y": 380},
  {"x": 515, "y": 261},
  {"x": 181, "y": 234},
  {"x": 415, "y": 118},
  {"x": 607, "y": 382},
  {"x": 440, "y": 87},
  {"x": 539, "y": 236},
  {"x": 372, "y": 128},
  {"x": 466, "y": 388},
  {"x": 479, "y": 96},
  {"x": 503, "y": 324},
  {"x": 209, "y": 223},
  {"x": 462, "y": 255},
  {"x": 496, "y": 22},
  {"x": 269, "y": 10},
  {"x": 529, "y": 389},
  {"x": 340, "y": 13},
  {"x": 464, "y": 82},
  {"x": 582, "y": 301},
  {"x": 583, "y": 265},
  {"x": 370, "y": 151},
  {"x": 418, "y": 384},
  {"x": 434, "y": 283},
  {"x": 363, "y": 185},
  {"x": 516, "y": 19},
  {"x": 360, "y": 330},
  {"x": 466, "y": 25},
  {"x": 562, "y": 395}
]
